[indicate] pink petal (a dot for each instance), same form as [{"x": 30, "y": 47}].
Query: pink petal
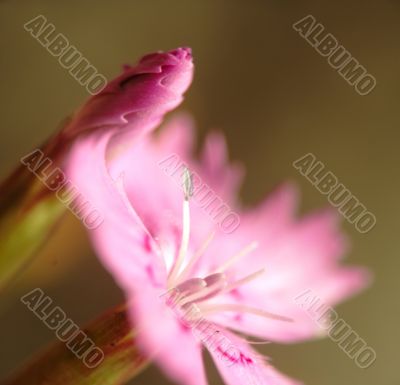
[
  {"x": 140, "y": 95},
  {"x": 121, "y": 240},
  {"x": 178, "y": 136},
  {"x": 333, "y": 287},
  {"x": 163, "y": 338},
  {"x": 239, "y": 364},
  {"x": 296, "y": 255},
  {"x": 225, "y": 178}
]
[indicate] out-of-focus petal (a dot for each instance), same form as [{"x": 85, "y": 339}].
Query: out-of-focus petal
[
  {"x": 121, "y": 240},
  {"x": 163, "y": 338},
  {"x": 239, "y": 364},
  {"x": 297, "y": 254},
  {"x": 225, "y": 177}
]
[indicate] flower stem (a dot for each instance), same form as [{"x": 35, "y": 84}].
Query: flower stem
[{"x": 57, "y": 365}]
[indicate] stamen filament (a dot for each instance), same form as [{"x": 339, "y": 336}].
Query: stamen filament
[
  {"x": 232, "y": 260},
  {"x": 203, "y": 292},
  {"x": 210, "y": 309},
  {"x": 184, "y": 242},
  {"x": 243, "y": 281},
  {"x": 196, "y": 257}
]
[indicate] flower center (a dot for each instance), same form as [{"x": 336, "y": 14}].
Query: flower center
[{"x": 197, "y": 291}]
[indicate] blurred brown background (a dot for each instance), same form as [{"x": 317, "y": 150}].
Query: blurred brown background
[{"x": 275, "y": 98}]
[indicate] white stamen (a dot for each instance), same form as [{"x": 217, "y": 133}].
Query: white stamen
[
  {"x": 203, "y": 292},
  {"x": 184, "y": 242},
  {"x": 209, "y": 309},
  {"x": 243, "y": 281},
  {"x": 232, "y": 260},
  {"x": 196, "y": 257}
]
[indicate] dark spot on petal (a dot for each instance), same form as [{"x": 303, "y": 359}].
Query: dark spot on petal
[{"x": 147, "y": 243}]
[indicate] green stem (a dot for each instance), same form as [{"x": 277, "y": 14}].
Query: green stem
[{"x": 57, "y": 365}]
